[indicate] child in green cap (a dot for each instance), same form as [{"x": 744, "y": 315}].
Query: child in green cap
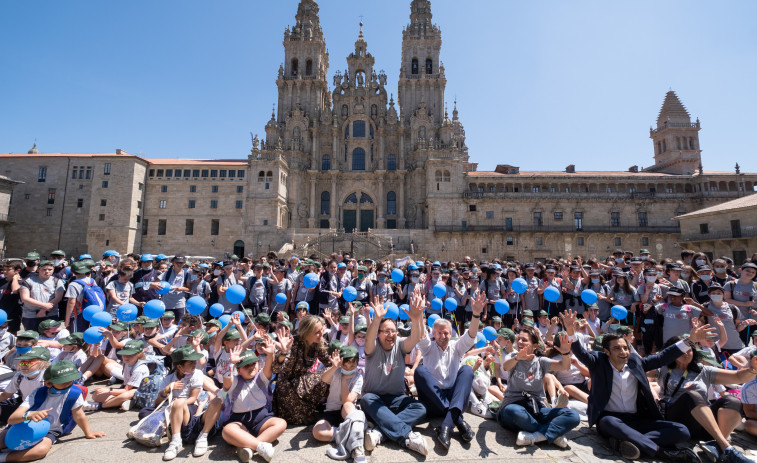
[{"x": 134, "y": 373}]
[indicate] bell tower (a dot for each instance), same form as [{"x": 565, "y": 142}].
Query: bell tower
[
  {"x": 421, "y": 74},
  {"x": 676, "y": 139},
  {"x": 302, "y": 77}
]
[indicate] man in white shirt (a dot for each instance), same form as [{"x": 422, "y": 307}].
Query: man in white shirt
[{"x": 443, "y": 386}]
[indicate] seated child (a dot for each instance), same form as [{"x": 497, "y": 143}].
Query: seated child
[
  {"x": 133, "y": 373},
  {"x": 25, "y": 340},
  {"x": 60, "y": 402},
  {"x": 27, "y": 379},
  {"x": 50, "y": 334}
]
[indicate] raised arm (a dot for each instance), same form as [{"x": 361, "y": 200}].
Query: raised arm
[
  {"x": 373, "y": 325},
  {"x": 417, "y": 330}
]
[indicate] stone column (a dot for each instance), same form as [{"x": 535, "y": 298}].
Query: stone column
[
  {"x": 401, "y": 203},
  {"x": 312, "y": 219},
  {"x": 380, "y": 201},
  {"x": 333, "y": 220}
]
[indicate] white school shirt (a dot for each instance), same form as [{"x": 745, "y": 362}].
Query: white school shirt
[{"x": 443, "y": 364}]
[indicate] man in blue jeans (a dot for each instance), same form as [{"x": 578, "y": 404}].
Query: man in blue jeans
[{"x": 384, "y": 399}]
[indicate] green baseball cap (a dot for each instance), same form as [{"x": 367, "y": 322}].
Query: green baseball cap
[
  {"x": 556, "y": 341},
  {"x": 288, "y": 324},
  {"x": 28, "y": 334},
  {"x": 185, "y": 354},
  {"x": 132, "y": 347},
  {"x": 168, "y": 314},
  {"x": 140, "y": 320},
  {"x": 61, "y": 372},
  {"x": 361, "y": 328},
  {"x": 528, "y": 313},
  {"x": 528, "y": 322},
  {"x": 73, "y": 339},
  {"x": 247, "y": 358},
  {"x": 496, "y": 319},
  {"x": 118, "y": 326},
  {"x": 151, "y": 323},
  {"x": 334, "y": 345},
  {"x": 58, "y": 252},
  {"x": 79, "y": 268},
  {"x": 348, "y": 352},
  {"x": 624, "y": 330},
  {"x": 48, "y": 324},
  {"x": 597, "y": 344},
  {"x": 231, "y": 334},
  {"x": 198, "y": 332},
  {"x": 302, "y": 305},
  {"x": 214, "y": 322},
  {"x": 32, "y": 256},
  {"x": 542, "y": 313},
  {"x": 40, "y": 353},
  {"x": 263, "y": 319},
  {"x": 506, "y": 333},
  {"x": 344, "y": 319}
]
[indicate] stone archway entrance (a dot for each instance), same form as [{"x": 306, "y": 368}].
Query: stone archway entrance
[{"x": 358, "y": 213}]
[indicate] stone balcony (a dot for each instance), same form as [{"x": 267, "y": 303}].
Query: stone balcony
[{"x": 555, "y": 229}]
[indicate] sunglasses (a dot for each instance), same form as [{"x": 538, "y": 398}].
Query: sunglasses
[{"x": 27, "y": 363}]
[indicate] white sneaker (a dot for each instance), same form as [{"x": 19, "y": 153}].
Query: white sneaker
[
  {"x": 358, "y": 454},
  {"x": 90, "y": 407},
  {"x": 244, "y": 454},
  {"x": 481, "y": 410},
  {"x": 561, "y": 442},
  {"x": 171, "y": 451},
  {"x": 417, "y": 443},
  {"x": 561, "y": 401},
  {"x": 126, "y": 406},
  {"x": 265, "y": 450},
  {"x": 201, "y": 446},
  {"x": 529, "y": 438},
  {"x": 372, "y": 439},
  {"x": 113, "y": 380}
]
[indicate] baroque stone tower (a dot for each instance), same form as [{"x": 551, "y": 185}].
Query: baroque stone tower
[{"x": 676, "y": 139}]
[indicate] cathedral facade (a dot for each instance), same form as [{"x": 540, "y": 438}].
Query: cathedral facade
[{"x": 343, "y": 166}]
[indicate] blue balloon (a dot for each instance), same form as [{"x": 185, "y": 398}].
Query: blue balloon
[
  {"x": 520, "y": 285},
  {"x": 436, "y": 305},
  {"x": 216, "y": 310},
  {"x": 281, "y": 298},
  {"x": 165, "y": 287},
  {"x": 481, "y": 340},
  {"x": 3, "y": 316},
  {"x": 196, "y": 305},
  {"x": 392, "y": 311},
  {"x": 551, "y": 294},
  {"x": 588, "y": 296},
  {"x": 450, "y": 304},
  {"x": 310, "y": 280},
  {"x": 241, "y": 315},
  {"x": 349, "y": 294},
  {"x": 490, "y": 334},
  {"x": 501, "y": 306},
  {"x": 618, "y": 312},
  {"x": 432, "y": 319},
  {"x": 92, "y": 335},
  {"x": 102, "y": 319},
  {"x": 235, "y": 294},
  {"x": 440, "y": 290},
  {"x": 224, "y": 319},
  {"x": 397, "y": 275},
  {"x": 154, "y": 308},
  {"x": 27, "y": 434},
  {"x": 127, "y": 313},
  {"x": 403, "y": 314},
  {"x": 91, "y": 310}
]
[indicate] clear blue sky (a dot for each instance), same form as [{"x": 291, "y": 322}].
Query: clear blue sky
[{"x": 540, "y": 84}]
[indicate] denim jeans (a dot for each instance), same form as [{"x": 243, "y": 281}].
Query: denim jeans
[
  {"x": 394, "y": 416},
  {"x": 552, "y": 422},
  {"x": 439, "y": 401}
]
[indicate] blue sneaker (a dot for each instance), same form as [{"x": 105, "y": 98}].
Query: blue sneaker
[
  {"x": 733, "y": 455},
  {"x": 711, "y": 451}
]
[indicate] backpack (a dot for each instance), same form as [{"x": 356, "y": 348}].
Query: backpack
[
  {"x": 91, "y": 294},
  {"x": 66, "y": 415},
  {"x": 151, "y": 430},
  {"x": 148, "y": 390}
]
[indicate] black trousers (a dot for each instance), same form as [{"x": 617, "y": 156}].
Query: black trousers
[{"x": 647, "y": 434}]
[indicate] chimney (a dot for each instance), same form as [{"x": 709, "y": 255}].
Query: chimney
[
  {"x": 120, "y": 151},
  {"x": 571, "y": 169},
  {"x": 634, "y": 169}
]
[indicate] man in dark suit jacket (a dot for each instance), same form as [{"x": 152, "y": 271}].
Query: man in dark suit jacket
[{"x": 621, "y": 403}]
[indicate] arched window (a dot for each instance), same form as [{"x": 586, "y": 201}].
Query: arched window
[
  {"x": 391, "y": 203},
  {"x": 295, "y": 65},
  {"x": 358, "y": 159},
  {"x": 309, "y": 67},
  {"x": 325, "y": 203},
  {"x": 446, "y": 176},
  {"x": 261, "y": 176},
  {"x": 438, "y": 175},
  {"x": 239, "y": 248},
  {"x": 414, "y": 68},
  {"x": 429, "y": 66},
  {"x": 326, "y": 162},
  {"x": 391, "y": 162},
  {"x": 358, "y": 129}
]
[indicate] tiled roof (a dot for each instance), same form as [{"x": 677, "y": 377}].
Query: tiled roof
[
  {"x": 226, "y": 162},
  {"x": 673, "y": 110},
  {"x": 66, "y": 155},
  {"x": 580, "y": 174},
  {"x": 740, "y": 203}
]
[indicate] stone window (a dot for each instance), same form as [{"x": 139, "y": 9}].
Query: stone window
[
  {"x": 89, "y": 173},
  {"x": 238, "y": 204},
  {"x": 140, "y": 186},
  {"x": 358, "y": 159},
  {"x": 42, "y": 175},
  {"x": 161, "y": 227},
  {"x": 558, "y": 215},
  {"x": 164, "y": 188},
  {"x": 326, "y": 162},
  {"x": 471, "y": 208},
  {"x": 162, "y": 204},
  {"x": 240, "y": 174},
  {"x": 509, "y": 224},
  {"x": 103, "y": 202},
  {"x": 358, "y": 129},
  {"x": 101, "y": 217},
  {"x": 391, "y": 162},
  {"x": 643, "y": 219},
  {"x": 80, "y": 202},
  {"x": 538, "y": 222},
  {"x": 510, "y": 241},
  {"x": 429, "y": 66},
  {"x": 614, "y": 219},
  {"x": 27, "y": 196},
  {"x": 187, "y": 173},
  {"x": 214, "y": 188},
  {"x": 295, "y": 65},
  {"x": 193, "y": 188},
  {"x": 105, "y": 184},
  {"x": 169, "y": 172},
  {"x": 214, "y": 204},
  {"x": 159, "y": 173},
  {"x": 618, "y": 242},
  {"x": 215, "y": 224},
  {"x": 51, "y": 196},
  {"x": 214, "y": 173},
  {"x": 539, "y": 241},
  {"x": 205, "y": 173},
  {"x": 240, "y": 189},
  {"x": 645, "y": 241},
  {"x": 391, "y": 203},
  {"x": 309, "y": 67},
  {"x": 580, "y": 241},
  {"x": 195, "y": 173},
  {"x": 232, "y": 173},
  {"x": 144, "y": 227},
  {"x": 222, "y": 173},
  {"x": 490, "y": 214},
  {"x": 325, "y": 203},
  {"x": 704, "y": 228},
  {"x": 578, "y": 220},
  {"x": 189, "y": 227},
  {"x": 414, "y": 66},
  {"x": 49, "y": 211},
  {"x": 191, "y": 204}
]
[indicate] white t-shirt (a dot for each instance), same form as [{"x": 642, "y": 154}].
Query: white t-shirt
[
  {"x": 224, "y": 367},
  {"x": 252, "y": 396},
  {"x": 334, "y": 400},
  {"x": 55, "y": 351},
  {"x": 190, "y": 382},
  {"x": 133, "y": 376},
  {"x": 25, "y": 385},
  {"x": 55, "y": 402},
  {"x": 77, "y": 357}
]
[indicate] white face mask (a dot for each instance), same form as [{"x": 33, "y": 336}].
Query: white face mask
[
  {"x": 216, "y": 272},
  {"x": 620, "y": 260},
  {"x": 701, "y": 262},
  {"x": 192, "y": 277},
  {"x": 651, "y": 279},
  {"x": 360, "y": 341},
  {"x": 719, "y": 270},
  {"x": 644, "y": 257},
  {"x": 348, "y": 373},
  {"x": 414, "y": 279},
  {"x": 685, "y": 274},
  {"x": 716, "y": 298},
  {"x": 57, "y": 262}
]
